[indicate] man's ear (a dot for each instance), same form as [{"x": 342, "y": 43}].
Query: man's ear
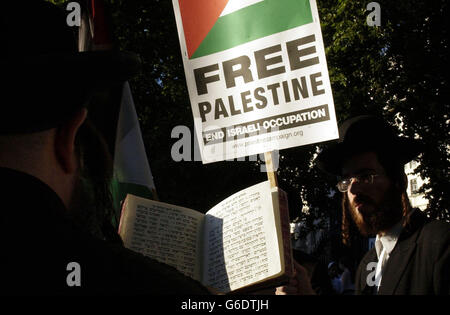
[{"x": 65, "y": 141}]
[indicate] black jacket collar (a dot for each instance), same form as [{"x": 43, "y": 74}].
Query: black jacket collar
[
  {"x": 26, "y": 192},
  {"x": 398, "y": 259}
]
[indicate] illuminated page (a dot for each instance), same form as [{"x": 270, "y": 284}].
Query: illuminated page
[
  {"x": 241, "y": 244},
  {"x": 167, "y": 233}
]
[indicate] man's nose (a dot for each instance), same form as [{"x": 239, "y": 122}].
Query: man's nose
[{"x": 354, "y": 187}]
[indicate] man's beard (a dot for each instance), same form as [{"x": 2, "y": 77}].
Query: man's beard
[{"x": 382, "y": 216}]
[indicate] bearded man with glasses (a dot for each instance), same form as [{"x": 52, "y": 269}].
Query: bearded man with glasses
[{"x": 411, "y": 253}]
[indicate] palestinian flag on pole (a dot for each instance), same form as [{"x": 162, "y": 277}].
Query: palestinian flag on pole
[{"x": 131, "y": 173}]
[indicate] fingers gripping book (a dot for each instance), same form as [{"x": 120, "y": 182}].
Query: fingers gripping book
[{"x": 242, "y": 243}]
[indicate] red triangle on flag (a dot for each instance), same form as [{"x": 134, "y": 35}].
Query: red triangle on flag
[{"x": 199, "y": 17}]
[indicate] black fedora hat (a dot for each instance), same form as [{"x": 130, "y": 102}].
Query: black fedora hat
[
  {"x": 45, "y": 77},
  {"x": 362, "y": 134}
]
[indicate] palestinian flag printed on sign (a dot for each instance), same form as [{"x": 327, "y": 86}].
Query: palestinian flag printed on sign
[
  {"x": 256, "y": 75},
  {"x": 212, "y": 26}
]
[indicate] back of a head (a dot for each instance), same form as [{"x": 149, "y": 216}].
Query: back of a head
[
  {"x": 38, "y": 91},
  {"x": 46, "y": 79}
]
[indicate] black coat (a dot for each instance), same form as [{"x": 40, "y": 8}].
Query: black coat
[
  {"x": 418, "y": 264},
  {"x": 39, "y": 241}
]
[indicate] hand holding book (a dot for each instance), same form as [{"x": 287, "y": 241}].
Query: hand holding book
[{"x": 299, "y": 283}]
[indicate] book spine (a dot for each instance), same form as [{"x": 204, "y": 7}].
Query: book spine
[{"x": 122, "y": 214}]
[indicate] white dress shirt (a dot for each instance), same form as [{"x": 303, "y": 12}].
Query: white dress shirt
[{"x": 384, "y": 244}]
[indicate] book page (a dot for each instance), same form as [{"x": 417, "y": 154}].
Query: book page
[
  {"x": 241, "y": 242},
  {"x": 167, "y": 233}
]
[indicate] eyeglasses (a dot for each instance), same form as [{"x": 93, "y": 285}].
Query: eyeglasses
[{"x": 343, "y": 184}]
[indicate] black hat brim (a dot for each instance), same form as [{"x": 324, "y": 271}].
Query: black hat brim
[
  {"x": 331, "y": 159},
  {"x": 96, "y": 67}
]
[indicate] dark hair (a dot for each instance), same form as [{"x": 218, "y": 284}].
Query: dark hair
[
  {"x": 348, "y": 227},
  {"x": 96, "y": 213}
]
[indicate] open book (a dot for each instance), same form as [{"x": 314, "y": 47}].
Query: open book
[{"x": 241, "y": 244}]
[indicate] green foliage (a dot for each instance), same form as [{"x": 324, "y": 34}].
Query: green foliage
[
  {"x": 396, "y": 70},
  {"x": 59, "y": 2}
]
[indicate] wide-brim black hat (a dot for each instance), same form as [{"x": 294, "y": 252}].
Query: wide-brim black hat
[
  {"x": 45, "y": 78},
  {"x": 363, "y": 134}
]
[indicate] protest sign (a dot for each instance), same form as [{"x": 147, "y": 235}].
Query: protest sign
[{"x": 257, "y": 75}]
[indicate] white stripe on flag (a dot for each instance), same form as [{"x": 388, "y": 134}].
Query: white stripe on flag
[
  {"x": 235, "y": 5},
  {"x": 130, "y": 159}
]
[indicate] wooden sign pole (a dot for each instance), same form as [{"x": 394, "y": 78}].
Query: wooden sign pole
[{"x": 271, "y": 175}]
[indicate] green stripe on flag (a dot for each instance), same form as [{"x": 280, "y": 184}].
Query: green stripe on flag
[{"x": 253, "y": 22}]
